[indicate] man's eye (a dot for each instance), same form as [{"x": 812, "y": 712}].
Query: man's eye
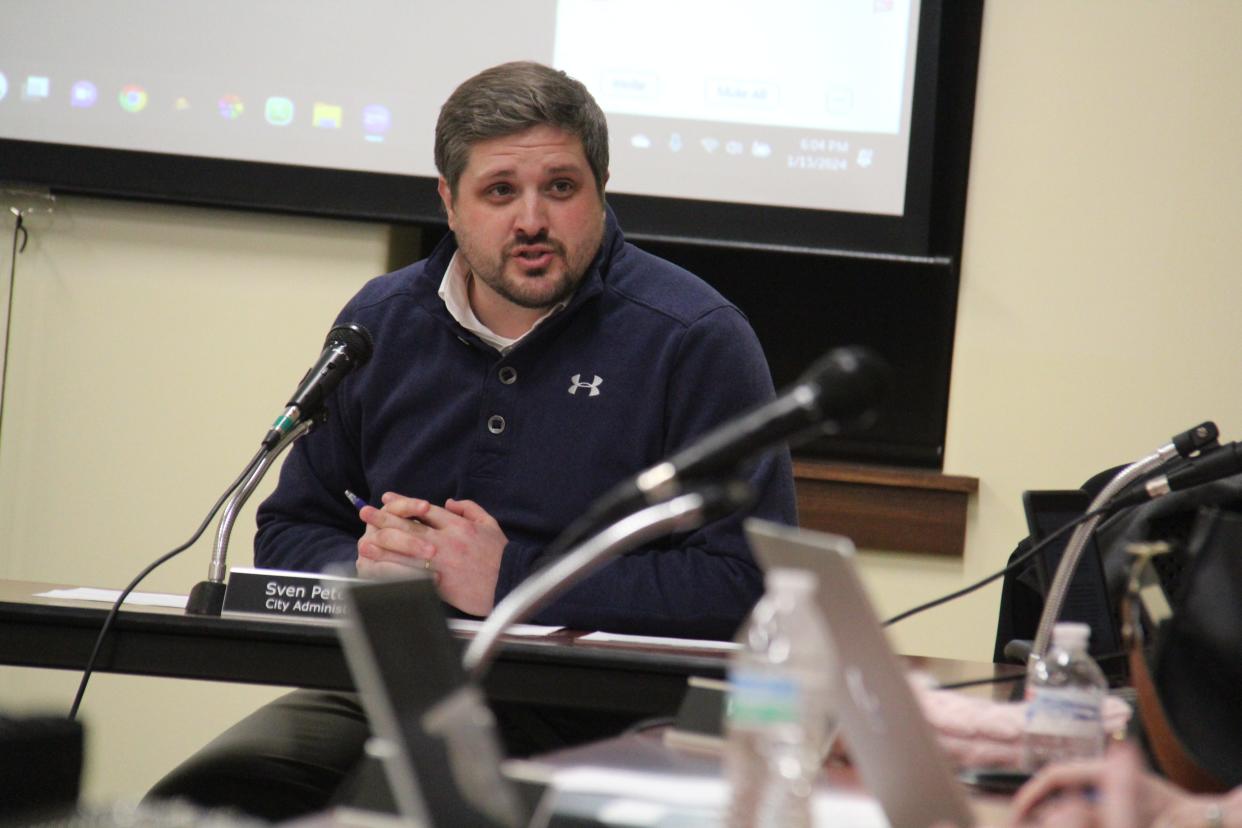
[
  {"x": 563, "y": 187},
  {"x": 500, "y": 190}
]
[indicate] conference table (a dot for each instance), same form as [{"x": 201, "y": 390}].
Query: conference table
[
  {"x": 165, "y": 642},
  {"x": 561, "y": 668}
]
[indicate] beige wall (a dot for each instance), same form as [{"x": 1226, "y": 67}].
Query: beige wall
[
  {"x": 1100, "y": 286},
  {"x": 151, "y": 345}
]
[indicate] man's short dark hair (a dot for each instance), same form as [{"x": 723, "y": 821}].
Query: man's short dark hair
[{"x": 511, "y": 98}]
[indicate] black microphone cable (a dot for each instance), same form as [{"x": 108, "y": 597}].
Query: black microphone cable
[
  {"x": 979, "y": 682},
  {"x": 19, "y": 231},
  {"x": 1200, "y": 440},
  {"x": 1014, "y": 564},
  {"x": 116, "y": 606},
  {"x": 347, "y": 347}
]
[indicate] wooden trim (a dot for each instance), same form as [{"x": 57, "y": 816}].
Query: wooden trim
[{"x": 903, "y": 510}]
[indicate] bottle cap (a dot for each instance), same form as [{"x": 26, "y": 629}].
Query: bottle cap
[
  {"x": 795, "y": 580},
  {"x": 1071, "y": 635}
]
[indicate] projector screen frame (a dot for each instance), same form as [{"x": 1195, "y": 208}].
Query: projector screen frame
[
  {"x": 937, "y": 146},
  {"x": 884, "y": 282}
]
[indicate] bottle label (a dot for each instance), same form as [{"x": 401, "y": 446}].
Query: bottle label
[
  {"x": 757, "y": 699},
  {"x": 1062, "y": 711}
]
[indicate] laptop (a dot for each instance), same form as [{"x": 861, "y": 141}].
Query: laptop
[
  {"x": 433, "y": 731},
  {"x": 890, "y": 742}
]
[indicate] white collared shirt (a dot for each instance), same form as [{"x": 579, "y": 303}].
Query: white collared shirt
[{"x": 455, "y": 292}]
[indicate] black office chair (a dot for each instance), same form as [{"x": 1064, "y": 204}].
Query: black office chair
[
  {"x": 1088, "y": 600},
  {"x": 1023, "y": 591}
]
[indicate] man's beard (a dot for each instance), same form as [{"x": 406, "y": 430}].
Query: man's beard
[{"x": 530, "y": 290}]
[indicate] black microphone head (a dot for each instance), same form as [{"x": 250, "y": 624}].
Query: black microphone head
[
  {"x": 356, "y": 339},
  {"x": 1202, "y": 437},
  {"x": 849, "y": 384},
  {"x": 347, "y": 348}
]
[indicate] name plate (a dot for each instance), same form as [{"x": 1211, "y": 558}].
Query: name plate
[{"x": 293, "y": 595}]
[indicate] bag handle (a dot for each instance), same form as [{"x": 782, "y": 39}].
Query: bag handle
[{"x": 1143, "y": 591}]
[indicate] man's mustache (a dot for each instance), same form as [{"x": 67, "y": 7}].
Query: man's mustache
[{"x": 538, "y": 239}]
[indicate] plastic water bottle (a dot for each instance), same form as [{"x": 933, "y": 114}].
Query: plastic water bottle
[
  {"x": 780, "y": 713},
  {"x": 1065, "y": 695}
]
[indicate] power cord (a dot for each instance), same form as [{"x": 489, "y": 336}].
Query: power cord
[
  {"x": 19, "y": 231},
  {"x": 1014, "y": 564},
  {"x": 116, "y": 606}
]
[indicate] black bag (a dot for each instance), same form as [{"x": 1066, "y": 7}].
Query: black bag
[{"x": 1183, "y": 625}]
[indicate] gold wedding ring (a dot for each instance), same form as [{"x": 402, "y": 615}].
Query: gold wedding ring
[{"x": 427, "y": 563}]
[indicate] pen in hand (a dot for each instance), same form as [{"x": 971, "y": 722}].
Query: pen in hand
[{"x": 354, "y": 499}]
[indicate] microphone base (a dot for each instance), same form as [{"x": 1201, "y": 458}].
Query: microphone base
[
  {"x": 1018, "y": 650},
  {"x": 207, "y": 598}
]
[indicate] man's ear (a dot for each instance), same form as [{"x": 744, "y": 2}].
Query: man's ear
[{"x": 446, "y": 198}]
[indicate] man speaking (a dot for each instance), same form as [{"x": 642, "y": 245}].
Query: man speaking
[{"x": 531, "y": 362}]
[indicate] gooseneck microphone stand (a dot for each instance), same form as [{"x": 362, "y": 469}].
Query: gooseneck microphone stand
[
  {"x": 1184, "y": 444},
  {"x": 679, "y": 514},
  {"x": 207, "y": 597}
]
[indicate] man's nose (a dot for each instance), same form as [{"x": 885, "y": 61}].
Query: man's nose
[{"x": 532, "y": 216}]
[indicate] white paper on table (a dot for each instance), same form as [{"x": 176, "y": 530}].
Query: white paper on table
[
  {"x": 657, "y": 641},
  {"x": 638, "y": 791},
  {"x": 109, "y": 596},
  {"x": 526, "y": 630},
  {"x": 689, "y": 791}
]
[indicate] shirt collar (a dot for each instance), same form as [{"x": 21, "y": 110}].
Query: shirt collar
[{"x": 455, "y": 292}]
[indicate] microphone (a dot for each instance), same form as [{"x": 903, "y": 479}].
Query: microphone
[
  {"x": 347, "y": 347},
  {"x": 838, "y": 391},
  {"x": 1222, "y": 462}
]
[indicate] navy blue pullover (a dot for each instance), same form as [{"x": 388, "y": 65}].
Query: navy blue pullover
[{"x": 645, "y": 357}]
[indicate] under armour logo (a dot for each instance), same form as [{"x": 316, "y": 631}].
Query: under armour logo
[{"x": 577, "y": 383}]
